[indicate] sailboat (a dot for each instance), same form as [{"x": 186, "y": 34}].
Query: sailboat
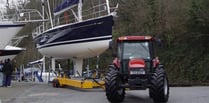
[
  {"x": 8, "y": 29},
  {"x": 82, "y": 36},
  {"x": 10, "y": 25}
]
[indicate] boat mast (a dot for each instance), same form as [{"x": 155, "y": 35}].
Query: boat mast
[
  {"x": 43, "y": 14},
  {"x": 80, "y": 4},
  {"x": 108, "y": 6},
  {"x": 99, "y": 7},
  {"x": 50, "y": 14},
  {"x": 7, "y": 3}
]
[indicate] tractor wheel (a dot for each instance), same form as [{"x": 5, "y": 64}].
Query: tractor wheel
[
  {"x": 159, "y": 89},
  {"x": 55, "y": 83},
  {"x": 150, "y": 94},
  {"x": 114, "y": 92}
]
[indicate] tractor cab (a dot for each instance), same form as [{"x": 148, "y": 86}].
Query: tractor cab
[{"x": 135, "y": 52}]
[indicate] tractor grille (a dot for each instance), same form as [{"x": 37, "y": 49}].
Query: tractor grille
[{"x": 124, "y": 66}]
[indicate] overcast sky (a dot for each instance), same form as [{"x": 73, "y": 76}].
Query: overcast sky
[{"x": 2, "y": 3}]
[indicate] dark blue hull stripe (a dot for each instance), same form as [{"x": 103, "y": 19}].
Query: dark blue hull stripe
[
  {"x": 74, "y": 42},
  {"x": 9, "y": 52},
  {"x": 92, "y": 30},
  {"x": 17, "y": 25}
]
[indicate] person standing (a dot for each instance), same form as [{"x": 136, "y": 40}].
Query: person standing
[
  {"x": 1, "y": 74},
  {"x": 7, "y": 69}
]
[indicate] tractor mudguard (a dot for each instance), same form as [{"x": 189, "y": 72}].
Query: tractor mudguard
[
  {"x": 156, "y": 62},
  {"x": 161, "y": 66},
  {"x": 116, "y": 63},
  {"x": 112, "y": 67}
]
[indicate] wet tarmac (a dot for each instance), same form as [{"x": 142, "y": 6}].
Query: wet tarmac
[{"x": 45, "y": 93}]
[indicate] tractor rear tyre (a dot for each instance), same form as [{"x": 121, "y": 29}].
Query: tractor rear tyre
[
  {"x": 114, "y": 92},
  {"x": 159, "y": 89}
]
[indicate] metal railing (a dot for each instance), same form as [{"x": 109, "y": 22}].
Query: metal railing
[
  {"x": 7, "y": 17},
  {"x": 30, "y": 15},
  {"x": 23, "y": 16}
]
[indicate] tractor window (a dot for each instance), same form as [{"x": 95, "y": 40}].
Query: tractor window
[
  {"x": 119, "y": 51},
  {"x": 136, "y": 50}
]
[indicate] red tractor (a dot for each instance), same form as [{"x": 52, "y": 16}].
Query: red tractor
[{"x": 136, "y": 68}]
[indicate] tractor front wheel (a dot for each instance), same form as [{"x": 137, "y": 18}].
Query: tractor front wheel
[
  {"x": 159, "y": 89},
  {"x": 114, "y": 91}
]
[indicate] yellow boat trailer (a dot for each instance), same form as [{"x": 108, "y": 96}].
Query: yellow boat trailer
[{"x": 78, "y": 82}]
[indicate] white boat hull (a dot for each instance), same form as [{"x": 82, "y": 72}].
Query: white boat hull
[
  {"x": 9, "y": 52},
  {"x": 8, "y": 30},
  {"x": 78, "y": 50}
]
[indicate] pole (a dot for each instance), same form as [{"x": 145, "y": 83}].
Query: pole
[
  {"x": 43, "y": 14},
  {"x": 97, "y": 67},
  {"x": 78, "y": 65},
  {"x": 87, "y": 69},
  {"x": 53, "y": 64},
  {"x": 80, "y": 4},
  {"x": 50, "y": 14},
  {"x": 99, "y": 8},
  {"x": 49, "y": 74},
  {"x": 21, "y": 73},
  {"x": 44, "y": 65},
  {"x": 108, "y": 6},
  {"x": 53, "y": 67}
]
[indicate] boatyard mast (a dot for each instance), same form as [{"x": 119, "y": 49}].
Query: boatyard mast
[
  {"x": 108, "y": 6},
  {"x": 43, "y": 14},
  {"x": 80, "y": 4},
  {"x": 50, "y": 14}
]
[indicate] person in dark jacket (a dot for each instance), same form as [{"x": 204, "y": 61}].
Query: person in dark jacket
[
  {"x": 3, "y": 71},
  {"x": 7, "y": 70},
  {"x": 1, "y": 74}
]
